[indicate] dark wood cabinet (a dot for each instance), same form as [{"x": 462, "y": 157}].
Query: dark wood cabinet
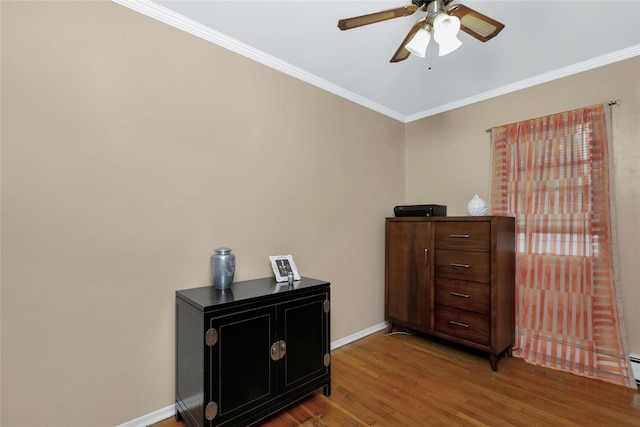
[
  {"x": 408, "y": 273},
  {"x": 453, "y": 277},
  {"x": 248, "y": 351}
]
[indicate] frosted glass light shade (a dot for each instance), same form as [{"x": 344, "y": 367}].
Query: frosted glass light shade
[
  {"x": 446, "y": 30},
  {"x": 418, "y": 44},
  {"x": 448, "y": 45},
  {"x": 445, "y": 26}
]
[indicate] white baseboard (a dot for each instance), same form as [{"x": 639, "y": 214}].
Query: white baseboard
[
  {"x": 152, "y": 418},
  {"x": 358, "y": 335},
  {"x": 170, "y": 411}
]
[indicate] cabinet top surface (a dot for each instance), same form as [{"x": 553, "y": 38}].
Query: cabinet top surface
[{"x": 208, "y": 296}]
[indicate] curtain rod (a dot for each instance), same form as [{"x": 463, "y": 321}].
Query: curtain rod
[{"x": 611, "y": 103}]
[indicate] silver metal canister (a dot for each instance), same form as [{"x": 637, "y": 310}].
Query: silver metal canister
[{"x": 223, "y": 267}]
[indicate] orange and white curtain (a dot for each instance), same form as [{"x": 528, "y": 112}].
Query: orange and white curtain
[{"x": 554, "y": 175}]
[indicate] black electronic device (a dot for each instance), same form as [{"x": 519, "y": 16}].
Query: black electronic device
[{"x": 420, "y": 210}]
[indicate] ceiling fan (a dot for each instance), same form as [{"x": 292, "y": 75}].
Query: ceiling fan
[{"x": 442, "y": 23}]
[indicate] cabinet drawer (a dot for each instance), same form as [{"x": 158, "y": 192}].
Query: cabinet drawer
[
  {"x": 463, "y": 265},
  {"x": 463, "y": 324},
  {"x": 468, "y": 236},
  {"x": 470, "y": 296}
]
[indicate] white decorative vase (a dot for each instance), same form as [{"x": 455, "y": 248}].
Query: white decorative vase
[{"x": 477, "y": 207}]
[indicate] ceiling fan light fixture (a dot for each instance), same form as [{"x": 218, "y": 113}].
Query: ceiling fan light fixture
[
  {"x": 442, "y": 22},
  {"x": 418, "y": 44},
  {"x": 446, "y": 29}
]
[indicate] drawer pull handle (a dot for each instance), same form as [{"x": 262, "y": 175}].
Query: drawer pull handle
[
  {"x": 426, "y": 256},
  {"x": 453, "y": 264},
  {"x": 460, "y": 236},
  {"x": 453, "y": 322},
  {"x": 456, "y": 294}
]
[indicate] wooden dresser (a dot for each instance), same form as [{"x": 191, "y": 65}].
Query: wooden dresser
[{"x": 454, "y": 278}]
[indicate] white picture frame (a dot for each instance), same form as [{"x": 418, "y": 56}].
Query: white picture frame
[{"x": 281, "y": 265}]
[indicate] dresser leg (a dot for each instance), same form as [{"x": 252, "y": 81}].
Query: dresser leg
[
  {"x": 494, "y": 362},
  {"x": 390, "y": 328},
  {"x": 509, "y": 351}
]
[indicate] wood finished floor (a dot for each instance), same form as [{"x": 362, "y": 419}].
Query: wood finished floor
[{"x": 410, "y": 380}]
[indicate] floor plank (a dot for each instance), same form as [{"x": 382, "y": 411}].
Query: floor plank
[{"x": 413, "y": 380}]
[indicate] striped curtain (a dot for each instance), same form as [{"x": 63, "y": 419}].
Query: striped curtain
[{"x": 553, "y": 175}]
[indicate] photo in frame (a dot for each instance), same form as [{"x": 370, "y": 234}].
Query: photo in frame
[{"x": 282, "y": 265}]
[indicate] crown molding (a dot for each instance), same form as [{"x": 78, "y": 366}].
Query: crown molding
[
  {"x": 576, "y": 68},
  {"x": 156, "y": 11}
]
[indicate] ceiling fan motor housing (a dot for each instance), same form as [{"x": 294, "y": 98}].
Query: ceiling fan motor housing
[{"x": 422, "y": 4}]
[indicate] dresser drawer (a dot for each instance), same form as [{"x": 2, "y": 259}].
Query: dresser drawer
[
  {"x": 463, "y": 324},
  {"x": 463, "y": 265},
  {"x": 468, "y": 236},
  {"x": 470, "y": 296}
]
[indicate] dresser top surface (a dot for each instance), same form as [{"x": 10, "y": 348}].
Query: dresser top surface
[
  {"x": 206, "y": 297},
  {"x": 452, "y": 218}
]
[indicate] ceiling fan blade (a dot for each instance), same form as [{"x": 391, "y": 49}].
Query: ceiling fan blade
[
  {"x": 402, "y": 53},
  {"x": 372, "y": 18},
  {"x": 476, "y": 24}
]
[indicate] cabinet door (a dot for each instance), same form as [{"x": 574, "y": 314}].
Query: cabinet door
[
  {"x": 242, "y": 374},
  {"x": 408, "y": 273},
  {"x": 305, "y": 330}
]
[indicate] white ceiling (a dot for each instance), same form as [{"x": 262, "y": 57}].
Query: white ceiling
[{"x": 542, "y": 41}]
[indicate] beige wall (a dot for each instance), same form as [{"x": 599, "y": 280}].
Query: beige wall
[
  {"x": 130, "y": 150},
  {"x": 448, "y": 156}
]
